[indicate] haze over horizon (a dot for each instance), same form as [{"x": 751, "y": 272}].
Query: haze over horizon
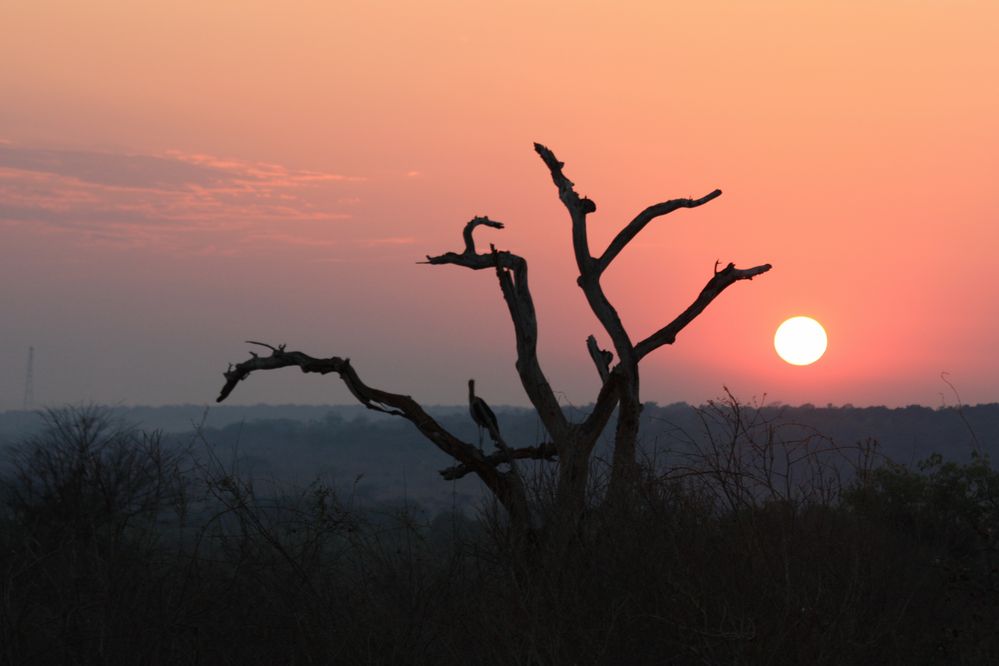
[{"x": 176, "y": 178}]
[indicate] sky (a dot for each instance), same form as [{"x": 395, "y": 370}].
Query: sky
[{"x": 177, "y": 177}]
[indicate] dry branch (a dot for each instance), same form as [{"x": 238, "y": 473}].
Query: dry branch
[
  {"x": 511, "y": 271},
  {"x": 589, "y": 276},
  {"x": 578, "y": 207},
  {"x": 470, "y": 227},
  {"x": 503, "y": 484},
  {"x": 565, "y": 186},
  {"x": 601, "y": 358},
  {"x": 717, "y": 284},
  {"x": 642, "y": 219}
]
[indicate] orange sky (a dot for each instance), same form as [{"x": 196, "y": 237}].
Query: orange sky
[{"x": 177, "y": 177}]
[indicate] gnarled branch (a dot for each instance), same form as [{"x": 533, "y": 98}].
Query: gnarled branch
[
  {"x": 470, "y": 227},
  {"x": 511, "y": 271},
  {"x": 565, "y": 186},
  {"x": 469, "y": 258},
  {"x": 642, "y": 219},
  {"x": 512, "y": 275},
  {"x": 578, "y": 207},
  {"x": 589, "y": 276},
  {"x": 717, "y": 284},
  {"x": 503, "y": 484}
]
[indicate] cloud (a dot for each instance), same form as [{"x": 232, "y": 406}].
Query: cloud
[
  {"x": 175, "y": 201},
  {"x": 112, "y": 170}
]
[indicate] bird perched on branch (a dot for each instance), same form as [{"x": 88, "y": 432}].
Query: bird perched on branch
[{"x": 482, "y": 414}]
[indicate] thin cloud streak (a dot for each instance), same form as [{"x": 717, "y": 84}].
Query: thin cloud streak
[{"x": 177, "y": 202}]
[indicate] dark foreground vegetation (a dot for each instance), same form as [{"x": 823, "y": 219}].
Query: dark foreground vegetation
[{"x": 116, "y": 548}]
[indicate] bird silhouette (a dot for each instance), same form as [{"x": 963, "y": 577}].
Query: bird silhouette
[{"x": 482, "y": 414}]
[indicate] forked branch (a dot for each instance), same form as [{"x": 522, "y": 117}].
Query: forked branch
[
  {"x": 589, "y": 276},
  {"x": 467, "y": 455},
  {"x": 511, "y": 271}
]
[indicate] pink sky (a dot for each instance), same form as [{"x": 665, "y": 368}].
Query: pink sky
[{"x": 177, "y": 177}]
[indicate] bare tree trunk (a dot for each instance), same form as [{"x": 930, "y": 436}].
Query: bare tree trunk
[
  {"x": 624, "y": 469},
  {"x": 574, "y": 474},
  {"x": 570, "y": 443}
]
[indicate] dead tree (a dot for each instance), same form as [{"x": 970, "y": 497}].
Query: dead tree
[{"x": 570, "y": 444}]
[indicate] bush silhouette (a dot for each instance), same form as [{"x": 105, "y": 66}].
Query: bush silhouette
[{"x": 117, "y": 548}]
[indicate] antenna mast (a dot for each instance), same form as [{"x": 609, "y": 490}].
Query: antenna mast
[{"x": 29, "y": 380}]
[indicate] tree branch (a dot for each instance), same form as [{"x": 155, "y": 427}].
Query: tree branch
[
  {"x": 512, "y": 275},
  {"x": 604, "y": 406},
  {"x": 470, "y": 227},
  {"x": 578, "y": 207},
  {"x": 589, "y": 276},
  {"x": 642, "y": 219},
  {"x": 467, "y": 455},
  {"x": 601, "y": 358},
  {"x": 511, "y": 271},
  {"x": 565, "y": 186},
  {"x": 717, "y": 284},
  {"x": 469, "y": 258},
  {"x": 545, "y": 451}
]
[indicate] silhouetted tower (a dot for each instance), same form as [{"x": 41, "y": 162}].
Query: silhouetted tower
[{"x": 29, "y": 380}]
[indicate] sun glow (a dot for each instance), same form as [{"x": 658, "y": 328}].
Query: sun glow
[{"x": 800, "y": 341}]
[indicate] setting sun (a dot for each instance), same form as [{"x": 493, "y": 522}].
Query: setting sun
[{"x": 800, "y": 341}]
